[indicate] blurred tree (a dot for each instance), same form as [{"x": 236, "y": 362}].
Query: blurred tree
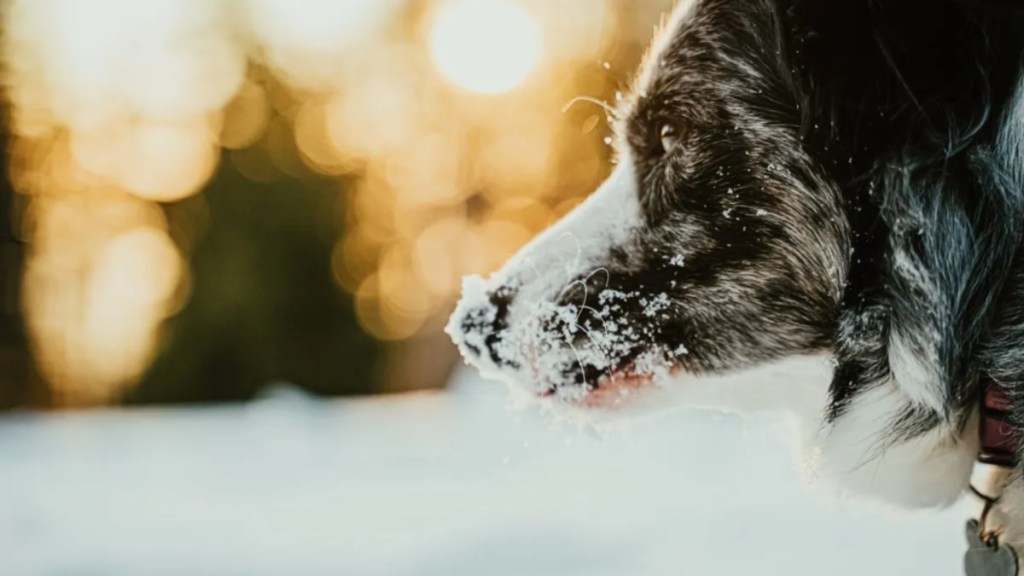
[
  {"x": 19, "y": 382},
  {"x": 263, "y": 306}
]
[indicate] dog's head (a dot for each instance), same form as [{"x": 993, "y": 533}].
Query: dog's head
[{"x": 717, "y": 243}]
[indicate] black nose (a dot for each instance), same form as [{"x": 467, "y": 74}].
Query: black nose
[{"x": 488, "y": 325}]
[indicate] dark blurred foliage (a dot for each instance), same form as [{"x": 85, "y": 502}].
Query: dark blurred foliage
[
  {"x": 263, "y": 307},
  {"x": 19, "y": 384}
]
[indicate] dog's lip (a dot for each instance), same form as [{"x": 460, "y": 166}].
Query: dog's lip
[{"x": 612, "y": 389}]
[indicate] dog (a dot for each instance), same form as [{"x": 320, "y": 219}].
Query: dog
[{"x": 829, "y": 191}]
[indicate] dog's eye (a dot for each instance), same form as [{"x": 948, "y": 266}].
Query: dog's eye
[{"x": 670, "y": 138}]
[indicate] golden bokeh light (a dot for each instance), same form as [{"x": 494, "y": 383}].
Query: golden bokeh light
[
  {"x": 116, "y": 106},
  {"x": 158, "y": 161},
  {"x": 120, "y": 107},
  {"x": 307, "y": 42},
  {"x": 245, "y": 118},
  {"x": 450, "y": 183},
  {"x": 485, "y": 46},
  {"x": 102, "y": 275},
  {"x": 133, "y": 278}
]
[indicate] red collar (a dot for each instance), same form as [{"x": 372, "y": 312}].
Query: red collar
[{"x": 999, "y": 439}]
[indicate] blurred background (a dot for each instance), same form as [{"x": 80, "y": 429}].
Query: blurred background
[
  {"x": 214, "y": 214},
  {"x": 204, "y": 198}
]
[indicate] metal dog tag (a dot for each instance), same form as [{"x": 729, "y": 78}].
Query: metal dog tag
[{"x": 984, "y": 559}]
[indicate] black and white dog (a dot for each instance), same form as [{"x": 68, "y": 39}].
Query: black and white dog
[{"x": 831, "y": 191}]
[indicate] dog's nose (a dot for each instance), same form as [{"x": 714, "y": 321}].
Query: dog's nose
[{"x": 484, "y": 325}]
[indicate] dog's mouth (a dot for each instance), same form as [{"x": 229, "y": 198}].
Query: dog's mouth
[
  {"x": 610, "y": 391},
  {"x": 614, "y": 387}
]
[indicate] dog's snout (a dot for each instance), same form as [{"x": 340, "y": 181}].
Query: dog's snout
[{"x": 487, "y": 323}]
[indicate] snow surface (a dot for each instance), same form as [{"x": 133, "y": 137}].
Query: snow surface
[{"x": 445, "y": 484}]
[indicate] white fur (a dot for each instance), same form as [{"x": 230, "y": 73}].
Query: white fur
[
  {"x": 916, "y": 377},
  {"x": 929, "y": 470}
]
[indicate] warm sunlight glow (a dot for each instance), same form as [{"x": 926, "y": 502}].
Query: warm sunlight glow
[
  {"x": 485, "y": 46},
  {"x": 126, "y": 116}
]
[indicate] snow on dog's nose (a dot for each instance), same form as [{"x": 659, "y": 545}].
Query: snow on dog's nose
[{"x": 562, "y": 347}]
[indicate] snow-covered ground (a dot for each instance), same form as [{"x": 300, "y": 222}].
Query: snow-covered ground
[{"x": 446, "y": 484}]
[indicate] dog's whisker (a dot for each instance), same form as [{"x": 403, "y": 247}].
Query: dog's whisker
[
  {"x": 583, "y": 305},
  {"x": 607, "y": 274},
  {"x": 575, "y": 264},
  {"x": 593, "y": 340},
  {"x": 598, "y": 314},
  {"x": 591, "y": 100},
  {"x": 533, "y": 266},
  {"x": 579, "y": 361},
  {"x": 569, "y": 287}
]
